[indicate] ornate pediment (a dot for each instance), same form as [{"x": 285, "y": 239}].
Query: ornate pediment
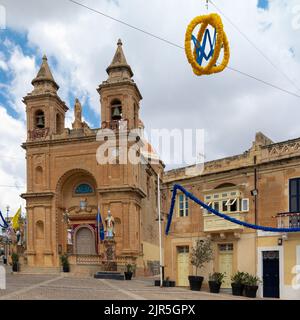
[{"x": 79, "y": 212}]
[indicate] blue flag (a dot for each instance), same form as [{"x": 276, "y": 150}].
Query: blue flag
[
  {"x": 100, "y": 226},
  {"x": 5, "y": 225}
]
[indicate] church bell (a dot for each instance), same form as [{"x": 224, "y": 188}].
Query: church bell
[
  {"x": 116, "y": 114},
  {"x": 40, "y": 122}
]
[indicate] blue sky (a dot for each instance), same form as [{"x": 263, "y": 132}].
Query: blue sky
[
  {"x": 20, "y": 39},
  {"x": 263, "y": 4},
  {"x": 80, "y": 45}
]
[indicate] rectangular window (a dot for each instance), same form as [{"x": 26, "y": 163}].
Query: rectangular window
[
  {"x": 295, "y": 195},
  {"x": 226, "y": 247},
  {"x": 183, "y": 206},
  {"x": 245, "y": 205},
  {"x": 224, "y": 206},
  {"x": 232, "y": 205},
  {"x": 183, "y": 249},
  {"x": 216, "y": 206},
  {"x": 208, "y": 204},
  {"x": 227, "y": 202}
]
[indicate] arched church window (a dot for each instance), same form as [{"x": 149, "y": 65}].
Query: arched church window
[
  {"x": 84, "y": 188},
  {"x": 40, "y": 229},
  {"x": 116, "y": 110},
  {"x": 40, "y": 119}
]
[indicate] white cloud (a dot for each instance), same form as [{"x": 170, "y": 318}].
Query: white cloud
[
  {"x": 21, "y": 67},
  {"x": 229, "y": 106},
  {"x": 12, "y": 164}
]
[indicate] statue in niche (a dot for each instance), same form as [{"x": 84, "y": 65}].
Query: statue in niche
[
  {"x": 83, "y": 204},
  {"x": 110, "y": 226}
]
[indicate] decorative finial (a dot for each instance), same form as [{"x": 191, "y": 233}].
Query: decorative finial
[
  {"x": 45, "y": 57},
  {"x": 119, "y": 42}
]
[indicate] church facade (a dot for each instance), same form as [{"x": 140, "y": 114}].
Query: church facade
[{"x": 67, "y": 185}]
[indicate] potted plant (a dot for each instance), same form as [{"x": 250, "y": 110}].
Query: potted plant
[
  {"x": 129, "y": 271},
  {"x": 251, "y": 285},
  {"x": 15, "y": 262},
  {"x": 215, "y": 281},
  {"x": 65, "y": 262},
  {"x": 237, "y": 283},
  {"x": 168, "y": 283},
  {"x": 201, "y": 254}
]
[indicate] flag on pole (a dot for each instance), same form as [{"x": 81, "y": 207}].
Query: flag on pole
[
  {"x": 5, "y": 225},
  {"x": 100, "y": 226},
  {"x": 15, "y": 221}
]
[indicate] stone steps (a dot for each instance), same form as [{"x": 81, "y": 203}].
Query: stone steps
[
  {"x": 112, "y": 275},
  {"x": 39, "y": 270}
]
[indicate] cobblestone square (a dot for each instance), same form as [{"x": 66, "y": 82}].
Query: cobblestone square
[{"x": 69, "y": 287}]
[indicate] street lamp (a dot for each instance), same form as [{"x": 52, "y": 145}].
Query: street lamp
[
  {"x": 159, "y": 230},
  {"x": 6, "y": 235}
]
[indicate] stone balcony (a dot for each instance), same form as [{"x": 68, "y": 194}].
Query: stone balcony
[{"x": 215, "y": 224}]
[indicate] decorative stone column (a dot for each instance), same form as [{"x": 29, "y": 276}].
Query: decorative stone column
[{"x": 110, "y": 255}]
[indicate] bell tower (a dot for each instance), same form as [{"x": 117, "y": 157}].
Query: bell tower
[
  {"x": 45, "y": 111},
  {"x": 119, "y": 95}
]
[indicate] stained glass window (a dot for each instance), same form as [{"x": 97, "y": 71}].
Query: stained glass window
[{"x": 84, "y": 188}]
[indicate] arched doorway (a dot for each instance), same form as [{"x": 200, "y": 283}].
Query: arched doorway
[
  {"x": 76, "y": 194},
  {"x": 85, "y": 242}
]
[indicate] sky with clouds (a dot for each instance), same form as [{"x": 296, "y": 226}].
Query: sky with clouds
[{"x": 80, "y": 45}]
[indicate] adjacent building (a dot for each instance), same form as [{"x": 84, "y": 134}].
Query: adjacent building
[{"x": 260, "y": 186}]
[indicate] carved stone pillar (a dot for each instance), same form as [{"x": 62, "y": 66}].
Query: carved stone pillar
[{"x": 110, "y": 255}]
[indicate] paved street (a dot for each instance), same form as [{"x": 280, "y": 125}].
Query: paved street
[{"x": 62, "y": 286}]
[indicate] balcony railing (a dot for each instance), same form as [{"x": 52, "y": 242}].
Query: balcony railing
[
  {"x": 288, "y": 220},
  {"x": 213, "y": 223},
  {"x": 115, "y": 124},
  {"x": 87, "y": 259}
]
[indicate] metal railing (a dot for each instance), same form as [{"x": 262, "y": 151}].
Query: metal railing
[{"x": 288, "y": 220}]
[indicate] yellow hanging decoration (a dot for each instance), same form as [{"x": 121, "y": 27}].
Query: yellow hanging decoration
[{"x": 221, "y": 42}]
